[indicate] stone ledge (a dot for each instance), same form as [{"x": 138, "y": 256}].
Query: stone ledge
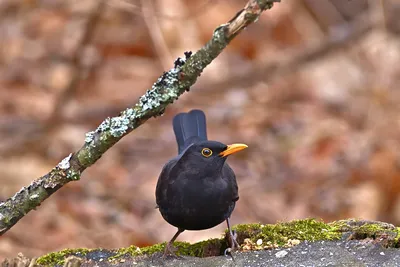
[{"x": 309, "y": 242}]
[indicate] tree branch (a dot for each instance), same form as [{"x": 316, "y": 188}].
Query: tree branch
[{"x": 152, "y": 104}]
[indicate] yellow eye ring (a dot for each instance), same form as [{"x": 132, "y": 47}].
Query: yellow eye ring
[{"x": 206, "y": 152}]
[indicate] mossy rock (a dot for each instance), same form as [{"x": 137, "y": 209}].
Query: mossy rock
[{"x": 249, "y": 237}]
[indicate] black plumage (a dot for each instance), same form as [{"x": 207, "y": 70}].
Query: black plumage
[{"x": 197, "y": 189}]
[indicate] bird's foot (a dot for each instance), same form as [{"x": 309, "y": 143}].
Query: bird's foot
[
  {"x": 170, "y": 251},
  {"x": 227, "y": 251},
  {"x": 234, "y": 244}
]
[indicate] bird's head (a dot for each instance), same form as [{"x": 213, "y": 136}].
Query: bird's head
[{"x": 209, "y": 155}]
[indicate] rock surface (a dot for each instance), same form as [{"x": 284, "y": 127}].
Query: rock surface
[
  {"x": 345, "y": 243},
  {"x": 321, "y": 253},
  {"x": 355, "y": 253}
]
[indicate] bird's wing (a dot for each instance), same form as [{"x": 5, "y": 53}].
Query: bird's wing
[
  {"x": 228, "y": 173},
  {"x": 163, "y": 180}
]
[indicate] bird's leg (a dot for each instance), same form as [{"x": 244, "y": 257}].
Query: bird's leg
[
  {"x": 232, "y": 236},
  {"x": 169, "y": 248}
]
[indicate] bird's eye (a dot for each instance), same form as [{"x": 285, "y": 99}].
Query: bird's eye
[{"x": 206, "y": 152}]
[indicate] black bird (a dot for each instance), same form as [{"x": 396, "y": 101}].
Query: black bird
[{"x": 197, "y": 189}]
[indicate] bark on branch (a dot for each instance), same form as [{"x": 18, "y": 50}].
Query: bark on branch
[{"x": 165, "y": 90}]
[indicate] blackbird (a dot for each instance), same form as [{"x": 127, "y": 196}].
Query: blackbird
[{"x": 197, "y": 189}]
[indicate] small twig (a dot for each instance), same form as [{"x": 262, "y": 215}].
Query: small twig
[
  {"x": 197, "y": 11},
  {"x": 293, "y": 63},
  {"x": 382, "y": 12},
  {"x": 152, "y": 104},
  {"x": 75, "y": 64},
  {"x": 15, "y": 143},
  {"x": 156, "y": 35}
]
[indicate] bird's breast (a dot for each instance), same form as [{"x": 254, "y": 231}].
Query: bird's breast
[{"x": 195, "y": 204}]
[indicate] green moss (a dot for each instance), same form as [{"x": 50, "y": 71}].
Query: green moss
[
  {"x": 151, "y": 249},
  {"x": 383, "y": 233},
  {"x": 129, "y": 251},
  {"x": 58, "y": 258},
  {"x": 397, "y": 238},
  {"x": 283, "y": 234},
  {"x": 339, "y": 226},
  {"x": 363, "y": 228},
  {"x": 370, "y": 230},
  {"x": 247, "y": 229},
  {"x": 134, "y": 251},
  {"x": 199, "y": 249}
]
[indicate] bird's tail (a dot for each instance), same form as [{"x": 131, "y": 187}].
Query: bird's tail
[{"x": 189, "y": 128}]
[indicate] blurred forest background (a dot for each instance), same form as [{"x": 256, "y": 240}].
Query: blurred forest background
[{"x": 312, "y": 88}]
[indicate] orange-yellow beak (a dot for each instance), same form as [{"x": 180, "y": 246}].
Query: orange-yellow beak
[{"x": 232, "y": 149}]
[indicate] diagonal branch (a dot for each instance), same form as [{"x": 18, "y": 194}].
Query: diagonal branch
[{"x": 152, "y": 104}]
